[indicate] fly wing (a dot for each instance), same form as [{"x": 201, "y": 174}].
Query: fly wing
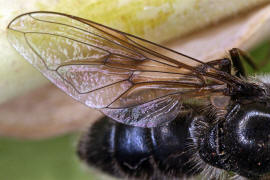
[{"x": 131, "y": 80}]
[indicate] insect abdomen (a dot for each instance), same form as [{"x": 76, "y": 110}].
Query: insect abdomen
[{"x": 127, "y": 151}]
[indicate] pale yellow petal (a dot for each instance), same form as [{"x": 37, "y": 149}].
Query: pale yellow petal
[{"x": 41, "y": 112}]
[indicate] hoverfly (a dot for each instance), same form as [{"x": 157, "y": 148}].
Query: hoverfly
[{"x": 169, "y": 115}]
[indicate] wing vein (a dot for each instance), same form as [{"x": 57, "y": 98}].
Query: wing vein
[{"x": 139, "y": 54}]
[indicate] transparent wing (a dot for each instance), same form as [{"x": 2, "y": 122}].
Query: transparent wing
[{"x": 129, "y": 79}]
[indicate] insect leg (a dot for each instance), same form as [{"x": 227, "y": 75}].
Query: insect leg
[
  {"x": 236, "y": 55},
  {"x": 222, "y": 64}
]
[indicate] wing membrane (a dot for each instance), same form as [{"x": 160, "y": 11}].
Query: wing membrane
[{"x": 129, "y": 79}]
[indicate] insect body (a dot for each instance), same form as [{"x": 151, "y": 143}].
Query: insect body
[
  {"x": 143, "y": 153},
  {"x": 150, "y": 87}
]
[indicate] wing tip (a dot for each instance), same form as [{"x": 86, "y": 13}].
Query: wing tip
[
  {"x": 9, "y": 26},
  {"x": 11, "y": 23}
]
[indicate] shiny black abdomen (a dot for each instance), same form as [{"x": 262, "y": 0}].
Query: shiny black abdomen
[{"x": 127, "y": 151}]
